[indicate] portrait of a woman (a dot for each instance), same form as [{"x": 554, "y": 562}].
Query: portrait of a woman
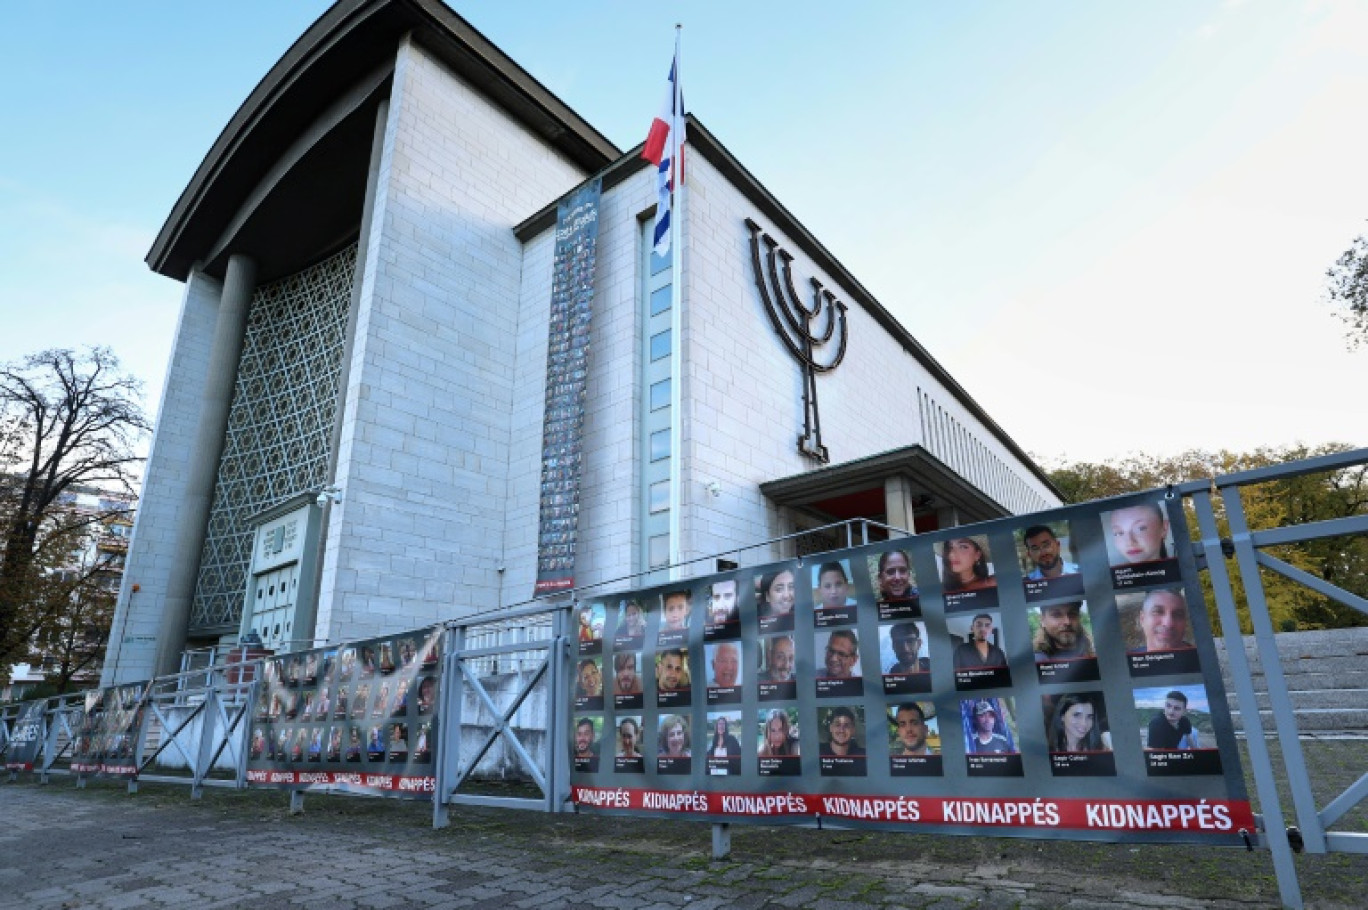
[
  {"x": 1075, "y": 726},
  {"x": 778, "y": 738},
  {"x": 964, "y": 566}
]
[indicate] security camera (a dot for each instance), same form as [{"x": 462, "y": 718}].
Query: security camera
[{"x": 330, "y": 493}]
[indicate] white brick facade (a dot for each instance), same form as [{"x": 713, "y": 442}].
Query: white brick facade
[
  {"x": 158, "y": 525},
  {"x": 426, "y": 437},
  {"x": 744, "y": 391}
]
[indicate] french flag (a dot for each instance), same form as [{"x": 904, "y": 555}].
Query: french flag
[{"x": 665, "y": 144}]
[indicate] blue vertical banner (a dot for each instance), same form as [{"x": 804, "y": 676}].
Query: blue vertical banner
[{"x": 567, "y": 371}]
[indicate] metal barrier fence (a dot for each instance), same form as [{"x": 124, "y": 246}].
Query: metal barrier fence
[
  {"x": 505, "y": 711},
  {"x": 499, "y": 699},
  {"x": 1245, "y": 547}
]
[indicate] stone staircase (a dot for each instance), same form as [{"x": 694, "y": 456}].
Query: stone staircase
[{"x": 1327, "y": 681}]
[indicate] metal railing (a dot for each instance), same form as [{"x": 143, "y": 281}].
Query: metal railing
[
  {"x": 1245, "y": 547},
  {"x": 494, "y": 664}
]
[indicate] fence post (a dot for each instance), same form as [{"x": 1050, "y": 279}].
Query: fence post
[
  {"x": 449, "y": 697},
  {"x": 205, "y": 748},
  {"x": 51, "y": 714},
  {"x": 1275, "y": 834},
  {"x": 721, "y": 840},
  {"x": 1284, "y": 716},
  {"x": 253, "y": 688},
  {"x": 140, "y": 738},
  {"x": 558, "y": 719}
]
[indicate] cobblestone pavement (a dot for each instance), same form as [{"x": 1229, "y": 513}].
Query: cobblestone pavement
[{"x": 61, "y": 847}]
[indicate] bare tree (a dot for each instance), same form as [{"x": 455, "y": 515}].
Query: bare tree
[{"x": 68, "y": 421}]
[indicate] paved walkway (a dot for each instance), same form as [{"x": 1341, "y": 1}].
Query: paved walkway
[{"x": 99, "y": 848}]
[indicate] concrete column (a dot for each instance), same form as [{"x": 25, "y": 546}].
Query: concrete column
[
  {"x": 354, "y": 307},
  {"x": 947, "y": 517},
  {"x": 323, "y": 620},
  {"x": 898, "y": 506},
  {"x": 234, "y": 304}
]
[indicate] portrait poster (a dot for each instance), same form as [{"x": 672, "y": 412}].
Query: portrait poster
[
  {"x": 108, "y": 731},
  {"x": 359, "y": 717},
  {"x": 1049, "y": 675},
  {"x": 567, "y": 371}
]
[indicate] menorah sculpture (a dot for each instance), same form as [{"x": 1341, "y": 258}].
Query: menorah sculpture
[{"x": 795, "y": 324}]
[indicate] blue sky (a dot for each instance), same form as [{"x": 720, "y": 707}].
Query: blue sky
[{"x": 1109, "y": 221}]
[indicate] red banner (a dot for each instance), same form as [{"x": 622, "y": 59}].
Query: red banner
[
  {"x": 1205, "y": 815},
  {"x": 391, "y": 783}
]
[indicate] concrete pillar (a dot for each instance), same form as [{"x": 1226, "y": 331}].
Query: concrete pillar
[
  {"x": 898, "y": 506},
  {"x": 947, "y": 517},
  {"x": 234, "y": 304},
  {"x": 323, "y": 618}
]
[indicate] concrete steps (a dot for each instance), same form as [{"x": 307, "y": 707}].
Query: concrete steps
[
  {"x": 1327, "y": 680},
  {"x": 1316, "y": 681},
  {"x": 1316, "y": 720}
]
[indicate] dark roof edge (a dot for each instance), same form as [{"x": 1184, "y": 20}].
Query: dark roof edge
[
  {"x": 339, "y": 18},
  {"x": 436, "y": 24},
  {"x": 451, "y": 24}
]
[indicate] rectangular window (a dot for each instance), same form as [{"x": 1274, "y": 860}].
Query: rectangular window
[
  {"x": 660, "y": 394},
  {"x": 659, "y": 550},
  {"x": 660, "y": 345},
  {"x": 660, "y": 263},
  {"x": 660, "y": 497},
  {"x": 660, "y": 300},
  {"x": 660, "y": 445}
]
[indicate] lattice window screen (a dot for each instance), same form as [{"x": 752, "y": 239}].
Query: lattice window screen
[{"x": 280, "y": 423}]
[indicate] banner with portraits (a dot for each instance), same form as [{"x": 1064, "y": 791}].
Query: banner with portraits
[
  {"x": 1049, "y": 675},
  {"x": 107, "y": 731},
  {"x": 567, "y": 372},
  {"x": 355, "y": 717}
]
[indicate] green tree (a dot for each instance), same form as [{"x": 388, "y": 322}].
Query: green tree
[
  {"x": 1341, "y": 561},
  {"x": 1347, "y": 287},
  {"x": 74, "y": 630},
  {"x": 68, "y": 421}
]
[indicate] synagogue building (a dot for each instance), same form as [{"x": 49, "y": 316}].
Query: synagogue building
[{"x": 354, "y": 433}]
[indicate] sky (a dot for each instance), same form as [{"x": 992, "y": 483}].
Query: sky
[{"x": 1110, "y": 222}]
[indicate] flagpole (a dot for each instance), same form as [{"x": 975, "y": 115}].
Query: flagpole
[{"x": 677, "y": 317}]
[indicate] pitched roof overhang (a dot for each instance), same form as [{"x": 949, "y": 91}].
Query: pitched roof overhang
[
  {"x": 316, "y": 108},
  {"x": 926, "y": 472}
]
